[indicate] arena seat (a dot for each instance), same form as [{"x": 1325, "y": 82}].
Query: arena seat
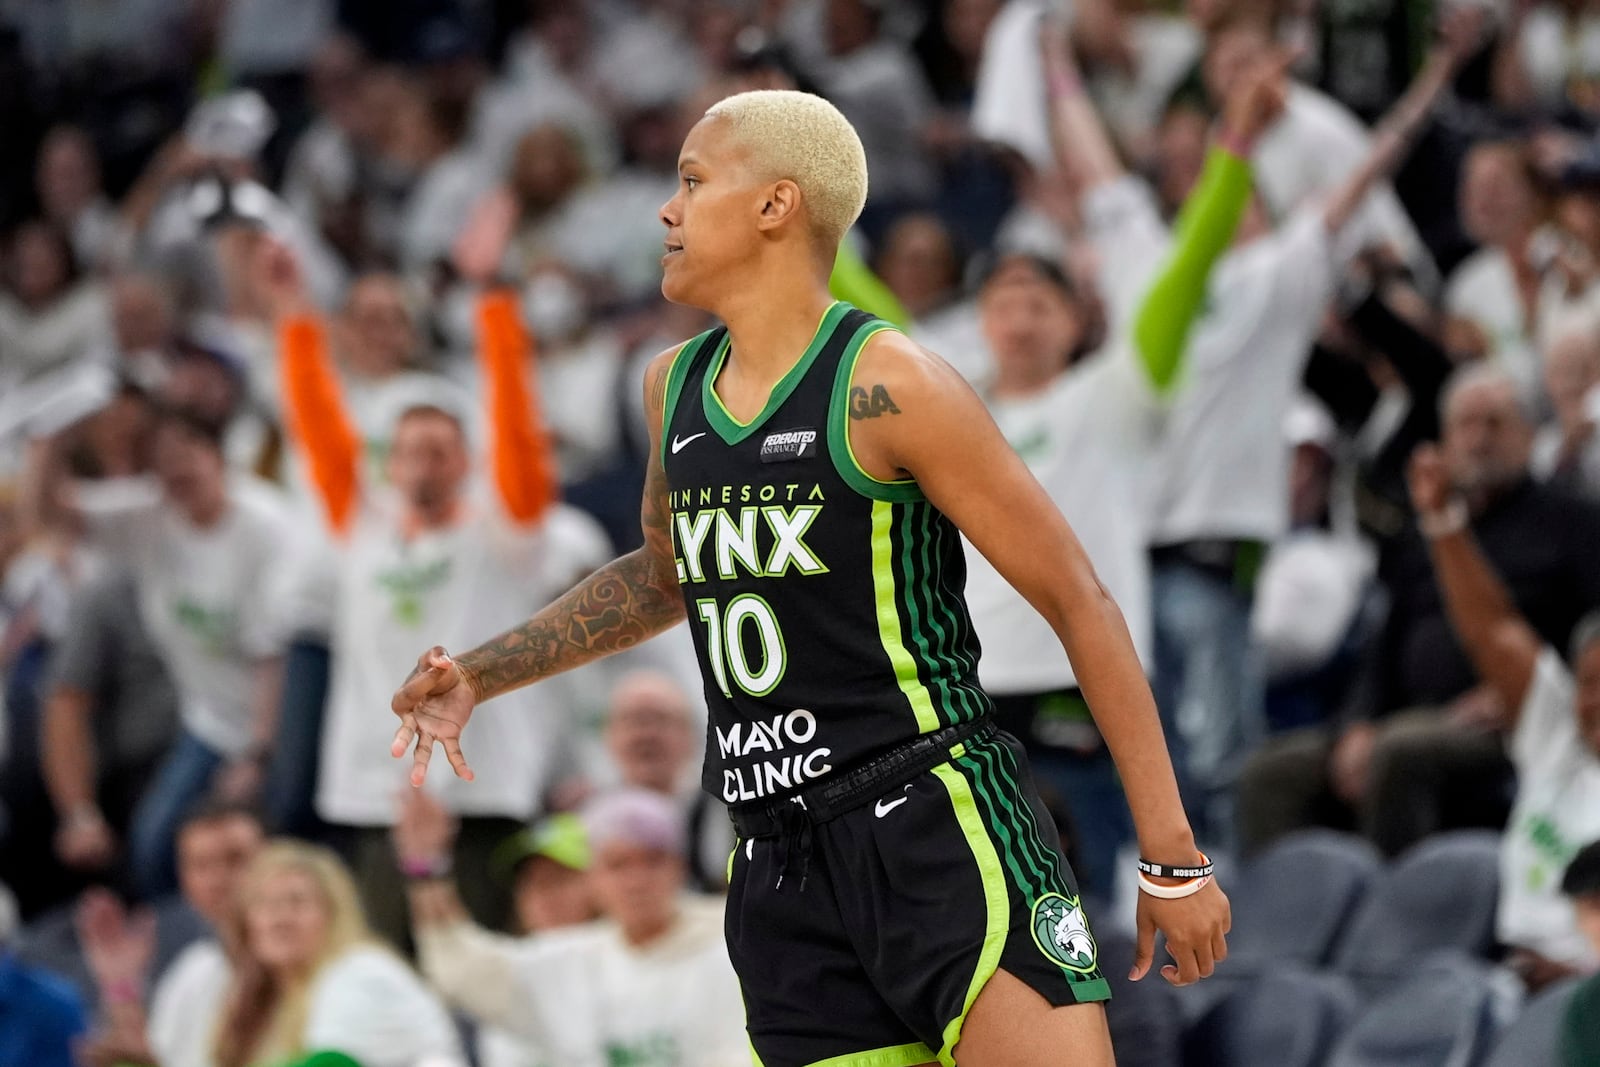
[
  {"x": 1292, "y": 901},
  {"x": 1532, "y": 1038},
  {"x": 1284, "y": 1016},
  {"x": 1444, "y": 1014},
  {"x": 1439, "y": 895}
]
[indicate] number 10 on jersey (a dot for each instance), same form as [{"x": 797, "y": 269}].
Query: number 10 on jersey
[{"x": 725, "y": 644}]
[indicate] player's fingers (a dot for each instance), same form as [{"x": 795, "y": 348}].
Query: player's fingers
[
  {"x": 1205, "y": 962},
  {"x": 458, "y": 761},
  {"x": 1219, "y": 946},
  {"x": 415, "y": 689},
  {"x": 1183, "y": 970},
  {"x": 419, "y": 764},
  {"x": 403, "y": 736},
  {"x": 1144, "y": 952}
]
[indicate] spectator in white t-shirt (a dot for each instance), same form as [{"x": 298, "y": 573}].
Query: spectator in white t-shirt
[
  {"x": 1500, "y": 298},
  {"x": 205, "y": 550},
  {"x": 440, "y": 548},
  {"x": 216, "y": 844},
  {"x": 308, "y": 976},
  {"x": 1553, "y": 730},
  {"x": 1222, "y": 481},
  {"x": 651, "y": 982}
]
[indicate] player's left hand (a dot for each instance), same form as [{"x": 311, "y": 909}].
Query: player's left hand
[{"x": 1196, "y": 928}]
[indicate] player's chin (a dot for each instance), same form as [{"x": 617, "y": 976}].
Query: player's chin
[{"x": 676, "y": 284}]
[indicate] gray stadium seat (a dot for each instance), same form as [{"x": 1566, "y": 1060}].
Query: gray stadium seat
[
  {"x": 1439, "y": 895},
  {"x": 1533, "y": 1037},
  {"x": 1283, "y": 1017},
  {"x": 1445, "y": 1014},
  {"x": 1291, "y": 902}
]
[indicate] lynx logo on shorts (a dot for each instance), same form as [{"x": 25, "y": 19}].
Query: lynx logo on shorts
[
  {"x": 788, "y": 444},
  {"x": 1062, "y": 933}
]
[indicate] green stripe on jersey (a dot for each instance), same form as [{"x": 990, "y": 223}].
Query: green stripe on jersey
[
  {"x": 887, "y": 594},
  {"x": 996, "y": 899}
]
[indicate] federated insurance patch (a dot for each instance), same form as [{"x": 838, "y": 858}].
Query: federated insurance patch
[
  {"x": 1062, "y": 933},
  {"x": 789, "y": 444}
]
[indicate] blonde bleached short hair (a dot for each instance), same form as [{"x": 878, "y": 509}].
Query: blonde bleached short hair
[{"x": 802, "y": 137}]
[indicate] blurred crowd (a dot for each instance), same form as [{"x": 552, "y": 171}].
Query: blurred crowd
[{"x": 322, "y": 332}]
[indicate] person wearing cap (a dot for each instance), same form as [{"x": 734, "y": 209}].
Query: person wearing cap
[
  {"x": 430, "y": 550},
  {"x": 649, "y": 982},
  {"x": 547, "y": 865},
  {"x": 649, "y": 735}
]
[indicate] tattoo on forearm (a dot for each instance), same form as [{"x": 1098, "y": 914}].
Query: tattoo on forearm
[
  {"x": 616, "y": 607},
  {"x": 865, "y": 405},
  {"x": 623, "y": 603}
]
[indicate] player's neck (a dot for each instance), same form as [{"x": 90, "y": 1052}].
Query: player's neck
[{"x": 769, "y": 329}]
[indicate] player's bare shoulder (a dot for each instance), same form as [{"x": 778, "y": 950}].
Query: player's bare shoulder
[
  {"x": 657, "y": 373},
  {"x": 901, "y": 393}
]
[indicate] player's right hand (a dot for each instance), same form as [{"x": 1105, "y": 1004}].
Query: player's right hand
[{"x": 434, "y": 705}]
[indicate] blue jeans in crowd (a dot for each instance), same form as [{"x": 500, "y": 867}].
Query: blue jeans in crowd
[
  {"x": 1208, "y": 686},
  {"x": 288, "y": 796},
  {"x": 185, "y": 776}
]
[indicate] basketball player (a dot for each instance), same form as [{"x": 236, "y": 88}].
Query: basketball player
[{"x": 897, "y": 895}]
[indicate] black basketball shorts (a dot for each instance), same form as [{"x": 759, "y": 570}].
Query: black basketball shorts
[{"x": 890, "y": 919}]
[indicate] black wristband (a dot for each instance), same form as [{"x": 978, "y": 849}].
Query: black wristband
[{"x": 1161, "y": 870}]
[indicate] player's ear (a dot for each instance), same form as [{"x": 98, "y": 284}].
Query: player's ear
[{"x": 781, "y": 203}]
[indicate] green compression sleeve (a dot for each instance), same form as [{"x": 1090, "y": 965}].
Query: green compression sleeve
[
  {"x": 854, "y": 282},
  {"x": 1204, "y": 230}
]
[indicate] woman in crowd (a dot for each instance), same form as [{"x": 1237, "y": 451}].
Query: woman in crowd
[{"x": 310, "y": 978}]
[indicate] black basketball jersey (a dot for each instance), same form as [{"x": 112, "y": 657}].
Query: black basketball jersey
[{"x": 826, "y": 604}]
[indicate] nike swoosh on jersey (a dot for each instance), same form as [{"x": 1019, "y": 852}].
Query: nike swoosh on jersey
[{"x": 679, "y": 446}]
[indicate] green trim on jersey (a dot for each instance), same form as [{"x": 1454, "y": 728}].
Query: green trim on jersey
[
  {"x": 1034, "y": 867},
  {"x": 924, "y": 608},
  {"x": 731, "y": 429},
  {"x": 677, "y": 374},
  {"x": 886, "y": 590},
  {"x": 911, "y": 1055},
  {"x": 844, "y": 457},
  {"x": 997, "y": 900}
]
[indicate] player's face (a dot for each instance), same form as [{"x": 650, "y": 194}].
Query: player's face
[
  {"x": 1588, "y": 679},
  {"x": 1030, "y": 324},
  {"x": 428, "y": 460},
  {"x": 711, "y": 219}
]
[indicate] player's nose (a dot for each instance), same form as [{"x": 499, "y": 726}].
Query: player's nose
[{"x": 669, "y": 212}]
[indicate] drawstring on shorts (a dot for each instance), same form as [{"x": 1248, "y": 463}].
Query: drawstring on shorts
[{"x": 795, "y": 828}]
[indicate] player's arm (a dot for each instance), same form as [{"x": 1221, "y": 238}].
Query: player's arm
[
  {"x": 944, "y": 438},
  {"x": 623, "y": 603},
  {"x": 629, "y": 599},
  {"x": 1502, "y": 645}
]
